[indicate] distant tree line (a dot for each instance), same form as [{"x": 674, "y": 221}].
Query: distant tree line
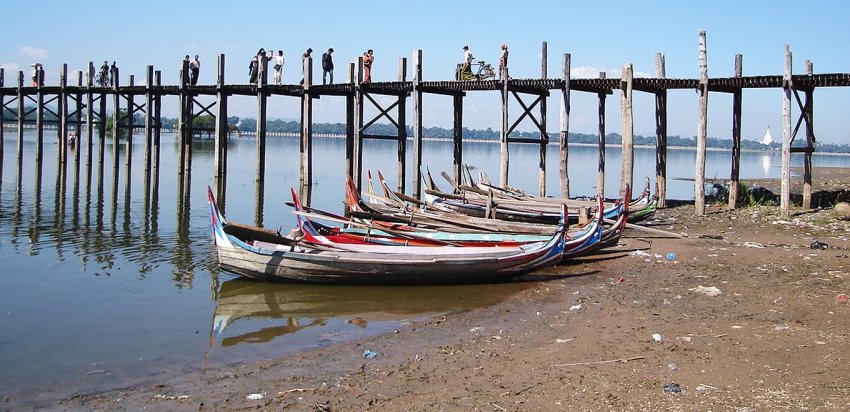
[{"x": 207, "y": 122}]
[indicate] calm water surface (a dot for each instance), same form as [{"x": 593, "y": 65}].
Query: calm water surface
[{"x": 103, "y": 286}]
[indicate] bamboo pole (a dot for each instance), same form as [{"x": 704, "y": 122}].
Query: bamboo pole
[
  {"x": 563, "y": 136},
  {"x": 417, "y": 124},
  {"x": 402, "y": 127},
  {"x": 661, "y": 134},
  {"x": 627, "y": 169},
  {"x": 785, "y": 184},
  {"x": 736, "y": 136},
  {"x": 702, "y": 129},
  {"x": 808, "y": 112}
]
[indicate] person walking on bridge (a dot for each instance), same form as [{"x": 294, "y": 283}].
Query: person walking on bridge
[
  {"x": 328, "y": 66},
  {"x": 278, "y": 66}
]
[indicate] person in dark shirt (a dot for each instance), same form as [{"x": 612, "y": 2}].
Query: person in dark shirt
[{"x": 328, "y": 66}]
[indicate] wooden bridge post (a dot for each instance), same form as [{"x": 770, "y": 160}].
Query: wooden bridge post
[
  {"x": 307, "y": 137},
  {"x": 149, "y": 119},
  {"x": 357, "y": 136},
  {"x": 307, "y": 122},
  {"x": 417, "y": 124},
  {"x": 661, "y": 134},
  {"x": 563, "y": 136},
  {"x": 457, "y": 137},
  {"x": 402, "y": 127},
  {"x": 737, "y": 97},
  {"x": 78, "y": 122},
  {"x": 130, "y": 122},
  {"x": 262, "y": 80},
  {"x": 785, "y": 184},
  {"x": 504, "y": 152},
  {"x": 627, "y": 170},
  {"x": 102, "y": 132},
  {"x": 89, "y": 114},
  {"x": 221, "y": 130},
  {"x": 157, "y": 132},
  {"x": 544, "y": 135},
  {"x": 116, "y": 122},
  {"x": 2, "y": 112},
  {"x": 62, "y": 112},
  {"x": 600, "y": 168},
  {"x": 20, "y": 119},
  {"x": 808, "y": 113},
  {"x": 183, "y": 115},
  {"x": 39, "y": 119},
  {"x": 349, "y": 124},
  {"x": 702, "y": 129}
]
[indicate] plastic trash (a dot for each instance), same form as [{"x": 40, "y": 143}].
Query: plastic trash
[
  {"x": 255, "y": 396},
  {"x": 369, "y": 354},
  {"x": 670, "y": 256},
  {"x": 656, "y": 337},
  {"x": 672, "y": 366},
  {"x": 819, "y": 245},
  {"x": 842, "y": 298},
  {"x": 575, "y": 307},
  {"x": 672, "y": 387},
  {"x": 707, "y": 290}
]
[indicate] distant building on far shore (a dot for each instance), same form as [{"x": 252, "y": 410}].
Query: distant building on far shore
[{"x": 768, "y": 138}]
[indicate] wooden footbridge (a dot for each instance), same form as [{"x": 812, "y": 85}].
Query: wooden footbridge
[{"x": 73, "y": 99}]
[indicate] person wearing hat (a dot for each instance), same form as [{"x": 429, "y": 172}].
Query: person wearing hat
[
  {"x": 466, "y": 68},
  {"x": 328, "y": 66},
  {"x": 503, "y": 62}
]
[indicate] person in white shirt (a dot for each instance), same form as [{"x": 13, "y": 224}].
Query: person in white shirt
[
  {"x": 503, "y": 62},
  {"x": 466, "y": 68},
  {"x": 278, "y": 66},
  {"x": 194, "y": 69}
]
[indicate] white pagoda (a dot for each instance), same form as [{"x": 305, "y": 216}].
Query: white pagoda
[{"x": 768, "y": 138}]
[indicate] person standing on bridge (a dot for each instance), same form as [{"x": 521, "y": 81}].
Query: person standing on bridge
[
  {"x": 306, "y": 55},
  {"x": 194, "y": 70},
  {"x": 104, "y": 74},
  {"x": 113, "y": 70},
  {"x": 503, "y": 62},
  {"x": 278, "y": 66},
  {"x": 328, "y": 65},
  {"x": 368, "y": 58},
  {"x": 466, "y": 67}
]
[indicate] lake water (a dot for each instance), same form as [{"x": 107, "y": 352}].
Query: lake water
[{"x": 103, "y": 287}]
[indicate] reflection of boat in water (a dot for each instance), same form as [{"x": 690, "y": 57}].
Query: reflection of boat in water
[{"x": 304, "y": 305}]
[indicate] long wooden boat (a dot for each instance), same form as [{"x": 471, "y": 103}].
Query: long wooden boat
[{"x": 263, "y": 255}]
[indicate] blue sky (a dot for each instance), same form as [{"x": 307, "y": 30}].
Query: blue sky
[{"x": 600, "y": 36}]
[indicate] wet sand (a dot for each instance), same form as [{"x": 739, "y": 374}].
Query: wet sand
[{"x": 741, "y": 314}]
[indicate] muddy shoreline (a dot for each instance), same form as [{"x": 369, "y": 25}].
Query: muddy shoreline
[{"x": 741, "y": 314}]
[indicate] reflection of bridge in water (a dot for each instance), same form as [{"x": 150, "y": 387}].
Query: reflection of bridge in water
[{"x": 67, "y": 102}]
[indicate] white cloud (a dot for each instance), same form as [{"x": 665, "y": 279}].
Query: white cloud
[
  {"x": 10, "y": 68},
  {"x": 33, "y": 52}
]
